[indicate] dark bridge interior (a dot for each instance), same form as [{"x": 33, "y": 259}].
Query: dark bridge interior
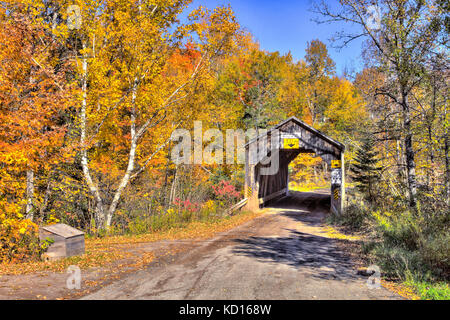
[{"x": 292, "y": 137}]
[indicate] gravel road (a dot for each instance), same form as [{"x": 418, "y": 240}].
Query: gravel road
[{"x": 284, "y": 254}]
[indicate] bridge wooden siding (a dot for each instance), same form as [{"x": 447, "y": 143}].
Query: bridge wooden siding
[{"x": 261, "y": 188}]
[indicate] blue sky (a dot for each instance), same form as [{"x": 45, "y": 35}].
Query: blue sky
[{"x": 285, "y": 25}]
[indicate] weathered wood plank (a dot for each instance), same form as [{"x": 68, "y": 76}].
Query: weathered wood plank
[
  {"x": 67, "y": 241},
  {"x": 272, "y": 196}
]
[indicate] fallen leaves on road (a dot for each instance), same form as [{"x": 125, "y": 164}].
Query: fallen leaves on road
[
  {"x": 400, "y": 289},
  {"x": 104, "y": 251},
  {"x": 336, "y": 234},
  {"x": 95, "y": 256}
]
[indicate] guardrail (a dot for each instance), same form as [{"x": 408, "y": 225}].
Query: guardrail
[{"x": 237, "y": 206}]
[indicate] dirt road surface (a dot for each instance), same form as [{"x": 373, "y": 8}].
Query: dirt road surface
[{"x": 284, "y": 254}]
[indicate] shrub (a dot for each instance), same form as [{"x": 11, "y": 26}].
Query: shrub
[
  {"x": 399, "y": 229},
  {"x": 139, "y": 225},
  {"x": 397, "y": 262},
  {"x": 208, "y": 210},
  {"x": 355, "y": 217},
  {"x": 19, "y": 238},
  {"x": 413, "y": 246},
  {"x": 225, "y": 192},
  {"x": 186, "y": 205},
  {"x": 183, "y": 213},
  {"x": 435, "y": 251}
]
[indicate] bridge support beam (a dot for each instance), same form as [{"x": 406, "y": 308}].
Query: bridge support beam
[
  {"x": 251, "y": 188},
  {"x": 338, "y": 185}
]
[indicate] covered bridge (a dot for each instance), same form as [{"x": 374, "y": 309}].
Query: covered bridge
[{"x": 267, "y": 158}]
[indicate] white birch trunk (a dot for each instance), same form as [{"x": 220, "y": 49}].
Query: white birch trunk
[
  {"x": 173, "y": 189},
  {"x": 99, "y": 209},
  {"x": 131, "y": 159}
]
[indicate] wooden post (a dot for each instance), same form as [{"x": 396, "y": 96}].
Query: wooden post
[
  {"x": 337, "y": 185},
  {"x": 30, "y": 194},
  {"x": 251, "y": 188},
  {"x": 287, "y": 182}
]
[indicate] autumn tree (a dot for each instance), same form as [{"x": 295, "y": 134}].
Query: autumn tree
[
  {"x": 262, "y": 88},
  {"x": 401, "y": 43},
  {"x": 320, "y": 68},
  {"x": 134, "y": 75},
  {"x": 33, "y": 96}
]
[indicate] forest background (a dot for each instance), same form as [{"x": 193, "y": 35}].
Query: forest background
[{"x": 91, "y": 91}]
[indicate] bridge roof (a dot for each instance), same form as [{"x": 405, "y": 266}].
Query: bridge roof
[{"x": 305, "y": 126}]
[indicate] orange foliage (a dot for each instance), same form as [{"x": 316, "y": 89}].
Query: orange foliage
[{"x": 32, "y": 100}]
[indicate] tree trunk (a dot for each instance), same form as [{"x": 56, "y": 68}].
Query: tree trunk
[
  {"x": 123, "y": 184},
  {"x": 430, "y": 169},
  {"x": 409, "y": 154},
  {"x": 30, "y": 195},
  {"x": 447, "y": 168},
  {"x": 430, "y": 175},
  {"x": 163, "y": 191},
  {"x": 173, "y": 190},
  {"x": 399, "y": 159},
  {"x": 446, "y": 151},
  {"x": 48, "y": 191}
]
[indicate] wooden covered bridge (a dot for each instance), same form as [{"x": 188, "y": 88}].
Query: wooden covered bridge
[{"x": 267, "y": 158}]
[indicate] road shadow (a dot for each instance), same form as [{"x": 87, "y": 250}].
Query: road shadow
[
  {"x": 299, "y": 249},
  {"x": 304, "y": 201},
  {"x": 307, "y": 207}
]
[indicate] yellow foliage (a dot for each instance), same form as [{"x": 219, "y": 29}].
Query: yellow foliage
[{"x": 18, "y": 236}]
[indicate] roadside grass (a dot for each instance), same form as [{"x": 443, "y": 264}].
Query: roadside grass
[
  {"x": 414, "y": 263},
  {"x": 107, "y": 250},
  {"x": 430, "y": 291}
]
